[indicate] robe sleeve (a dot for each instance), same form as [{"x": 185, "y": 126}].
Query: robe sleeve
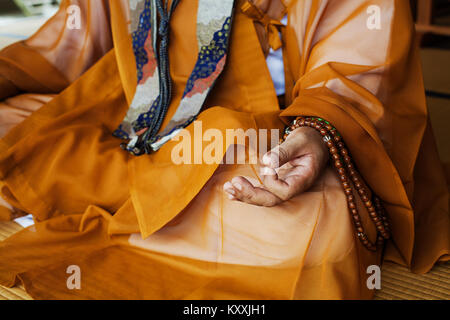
[
  {"x": 359, "y": 68},
  {"x": 59, "y": 52}
]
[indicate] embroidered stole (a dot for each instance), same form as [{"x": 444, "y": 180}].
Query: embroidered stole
[{"x": 213, "y": 32}]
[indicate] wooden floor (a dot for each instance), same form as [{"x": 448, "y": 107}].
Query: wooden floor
[{"x": 397, "y": 283}]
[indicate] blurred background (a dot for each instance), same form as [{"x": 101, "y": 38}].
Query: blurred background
[
  {"x": 21, "y": 18},
  {"x": 433, "y": 36}
]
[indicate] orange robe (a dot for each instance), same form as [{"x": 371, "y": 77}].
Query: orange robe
[{"x": 143, "y": 227}]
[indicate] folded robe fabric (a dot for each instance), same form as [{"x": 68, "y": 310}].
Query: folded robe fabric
[{"x": 143, "y": 227}]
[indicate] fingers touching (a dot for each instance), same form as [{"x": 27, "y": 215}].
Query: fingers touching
[
  {"x": 295, "y": 146},
  {"x": 241, "y": 189},
  {"x": 288, "y": 170}
]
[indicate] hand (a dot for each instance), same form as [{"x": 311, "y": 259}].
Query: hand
[{"x": 288, "y": 170}]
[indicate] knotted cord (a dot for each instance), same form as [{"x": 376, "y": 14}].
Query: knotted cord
[{"x": 165, "y": 81}]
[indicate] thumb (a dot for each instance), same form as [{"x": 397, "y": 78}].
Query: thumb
[
  {"x": 291, "y": 148},
  {"x": 278, "y": 156}
]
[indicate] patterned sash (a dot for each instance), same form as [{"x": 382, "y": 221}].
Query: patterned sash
[{"x": 213, "y": 31}]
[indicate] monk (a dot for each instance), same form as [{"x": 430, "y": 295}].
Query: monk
[{"x": 94, "y": 104}]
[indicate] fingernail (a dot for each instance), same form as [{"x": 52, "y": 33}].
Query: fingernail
[
  {"x": 231, "y": 197},
  {"x": 230, "y": 191},
  {"x": 274, "y": 159},
  {"x": 266, "y": 159},
  {"x": 271, "y": 159},
  {"x": 228, "y": 185},
  {"x": 238, "y": 186},
  {"x": 268, "y": 171}
]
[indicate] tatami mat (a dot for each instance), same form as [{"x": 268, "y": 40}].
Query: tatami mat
[
  {"x": 13, "y": 294},
  {"x": 6, "y": 230},
  {"x": 397, "y": 282}
]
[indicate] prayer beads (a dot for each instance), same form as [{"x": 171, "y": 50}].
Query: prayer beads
[{"x": 348, "y": 175}]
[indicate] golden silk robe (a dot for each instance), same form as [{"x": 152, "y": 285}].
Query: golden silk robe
[{"x": 145, "y": 228}]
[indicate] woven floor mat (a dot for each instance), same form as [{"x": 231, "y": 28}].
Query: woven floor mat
[{"x": 397, "y": 283}]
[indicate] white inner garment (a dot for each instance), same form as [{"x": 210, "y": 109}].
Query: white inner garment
[
  {"x": 25, "y": 221},
  {"x": 276, "y": 66}
]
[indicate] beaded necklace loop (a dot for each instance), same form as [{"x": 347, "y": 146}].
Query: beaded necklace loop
[{"x": 348, "y": 174}]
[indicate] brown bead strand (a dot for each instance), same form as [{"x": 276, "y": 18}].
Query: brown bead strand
[
  {"x": 375, "y": 213},
  {"x": 357, "y": 181},
  {"x": 343, "y": 177},
  {"x": 338, "y": 153},
  {"x": 319, "y": 125},
  {"x": 337, "y": 148}
]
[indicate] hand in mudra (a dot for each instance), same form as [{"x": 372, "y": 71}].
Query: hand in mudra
[{"x": 287, "y": 170}]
